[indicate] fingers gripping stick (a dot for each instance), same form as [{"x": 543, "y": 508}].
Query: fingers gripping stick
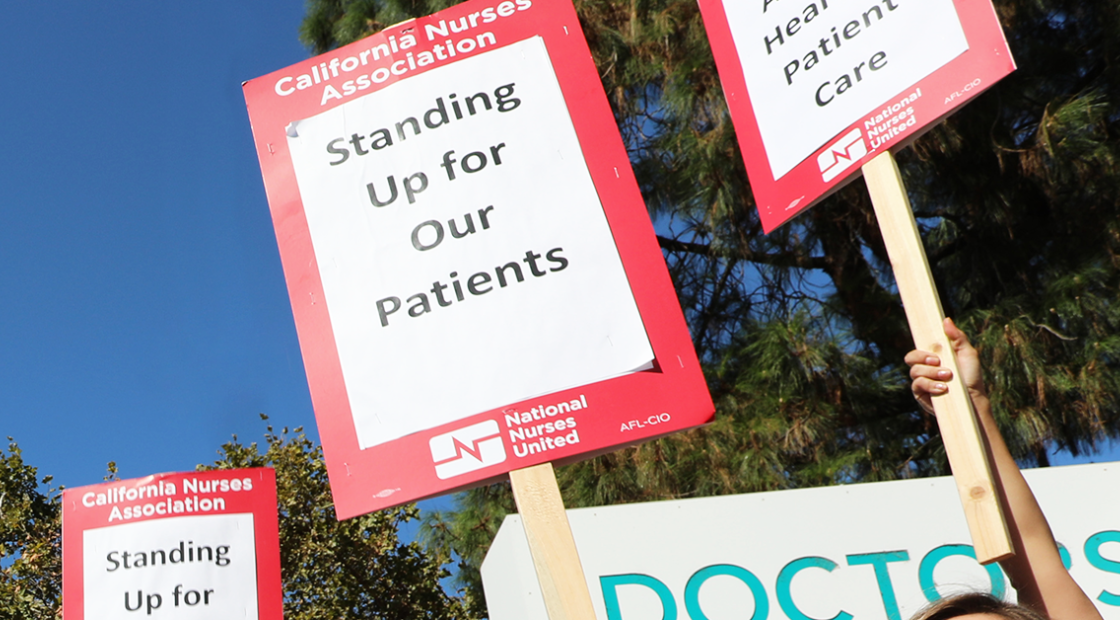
[{"x": 960, "y": 430}]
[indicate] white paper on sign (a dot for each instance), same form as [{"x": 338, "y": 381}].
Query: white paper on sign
[
  {"x": 814, "y": 67},
  {"x": 465, "y": 256},
  {"x": 201, "y": 567}
]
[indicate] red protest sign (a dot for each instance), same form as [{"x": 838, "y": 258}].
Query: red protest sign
[
  {"x": 817, "y": 89},
  {"x": 191, "y": 545},
  {"x": 475, "y": 280}
]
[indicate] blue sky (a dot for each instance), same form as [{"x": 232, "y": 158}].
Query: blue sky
[{"x": 145, "y": 318}]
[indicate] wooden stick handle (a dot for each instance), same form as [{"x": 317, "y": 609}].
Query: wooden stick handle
[
  {"x": 563, "y": 585},
  {"x": 960, "y": 429}
]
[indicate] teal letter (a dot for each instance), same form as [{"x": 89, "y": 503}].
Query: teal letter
[
  {"x": 785, "y": 580},
  {"x": 692, "y": 590},
  {"x": 883, "y": 576},
  {"x": 929, "y": 563},
  {"x": 610, "y": 596},
  {"x": 1093, "y": 554}
]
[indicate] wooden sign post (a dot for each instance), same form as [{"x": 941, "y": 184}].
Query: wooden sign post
[
  {"x": 563, "y": 585},
  {"x": 960, "y": 431}
]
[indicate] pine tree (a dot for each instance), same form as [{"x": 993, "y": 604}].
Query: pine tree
[{"x": 801, "y": 332}]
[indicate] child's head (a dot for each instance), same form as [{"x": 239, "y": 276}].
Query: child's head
[{"x": 975, "y": 603}]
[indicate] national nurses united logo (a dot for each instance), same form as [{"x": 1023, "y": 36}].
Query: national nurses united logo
[
  {"x": 840, "y": 155},
  {"x": 467, "y": 449}
]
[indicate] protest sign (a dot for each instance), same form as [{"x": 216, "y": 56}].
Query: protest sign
[
  {"x": 821, "y": 93},
  {"x": 817, "y": 88},
  {"x": 187, "y": 545},
  {"x": 873, "y": 551},
  {"x": 475, "y": 281}
]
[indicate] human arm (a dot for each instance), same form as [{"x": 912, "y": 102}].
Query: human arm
[{"x": 1036, "y": 569}]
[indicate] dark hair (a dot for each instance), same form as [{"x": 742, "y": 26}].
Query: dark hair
[{"x": 975, "y": 603}]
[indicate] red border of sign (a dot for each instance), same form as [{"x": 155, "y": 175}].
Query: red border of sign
[
  {"x": 986, "y": 62},
  {"x": 260, "y": 502},
  {"x": 669, "y": 398}
]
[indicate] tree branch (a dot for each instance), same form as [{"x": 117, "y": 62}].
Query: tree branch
[{"x": 777, "y": 260}]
